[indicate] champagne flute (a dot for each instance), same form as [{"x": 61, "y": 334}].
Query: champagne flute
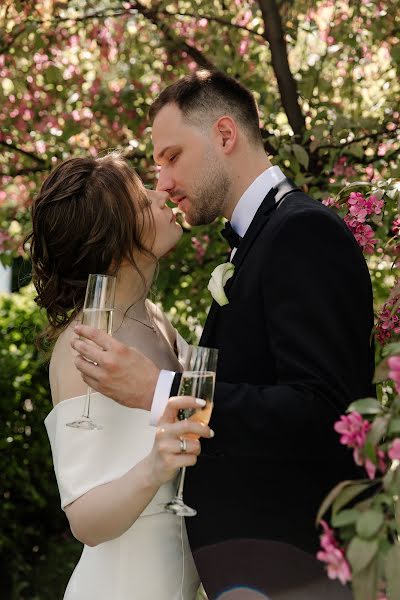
[
  {"x": 97, "y": 312},
  {"x": 197, "y": 381}
]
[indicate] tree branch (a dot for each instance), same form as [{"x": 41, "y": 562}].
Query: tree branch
[
  {"x": 273, "y": 33},
  {"x": 172, "y": 38},
  {"x": 25, "y": 171},
  {"x": 220, "y": 20},
  {"x": 24, "y": 152},
  {"x": 372, "y": 136}
]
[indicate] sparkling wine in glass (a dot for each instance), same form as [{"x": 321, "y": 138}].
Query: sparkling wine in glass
[
  {"x": 97, "y": 312},
  {"x": 199, "y": 382}
]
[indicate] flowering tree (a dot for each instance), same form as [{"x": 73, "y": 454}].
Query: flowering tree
[
  {"x": 363, "y": 546},
  {"x": 77, "y": 77}
]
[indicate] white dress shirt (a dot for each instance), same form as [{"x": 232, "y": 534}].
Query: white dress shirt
[{"x": 242, "y": 216}]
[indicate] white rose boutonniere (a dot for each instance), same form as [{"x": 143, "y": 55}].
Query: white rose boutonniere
[{"x": 219, "y": 277}]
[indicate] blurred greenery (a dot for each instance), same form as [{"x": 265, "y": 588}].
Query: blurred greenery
[
  {"x": 77, "y": 78},
  {"x": 37, "y": 551}
]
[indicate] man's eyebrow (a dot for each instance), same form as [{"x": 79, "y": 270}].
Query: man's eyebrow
[{"x": 163, "y": 151}]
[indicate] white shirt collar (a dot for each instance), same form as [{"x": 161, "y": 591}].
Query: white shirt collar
[{"x": 250, "y": 201}]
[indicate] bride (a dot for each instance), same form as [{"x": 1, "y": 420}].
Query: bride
[{"x": 95, "y": 216}]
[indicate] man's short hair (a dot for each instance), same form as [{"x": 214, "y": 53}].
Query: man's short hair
[{"x": 204, "y": 96}]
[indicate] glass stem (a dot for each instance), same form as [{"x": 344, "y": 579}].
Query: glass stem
[
  {"x": 86, "y": 408},
  {"x": 179, "y": 491}
]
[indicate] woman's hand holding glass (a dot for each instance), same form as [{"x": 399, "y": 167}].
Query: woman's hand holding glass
[{"x": 167, "y": 456}]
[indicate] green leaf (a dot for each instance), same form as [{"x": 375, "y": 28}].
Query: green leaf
[
  {"x": 381, "y": 372},
  {"x": 365, "y": 583},
  {"x": 360, "y": 553},
  {"x": 328, "y": 500},
  {"x": 397, "y": 514},
  {"x": 391, "y": 349},
  {"x": 376, "y": 433},
  {"x": 394, "y": 426},
  {"x": 345, "y": 517},
  {"x": 301, "y": 155},
  {"x": 349, "y": 493},
  {"x": 369, "y": 523},
  {"x": 392, "y": 572},
  {"x": 366, "y": 406}
]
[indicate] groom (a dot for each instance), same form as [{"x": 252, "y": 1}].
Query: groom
[{"x": 294, "y": 347}]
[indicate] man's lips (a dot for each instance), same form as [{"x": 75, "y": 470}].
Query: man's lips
[{"x": 181, "y": 203}]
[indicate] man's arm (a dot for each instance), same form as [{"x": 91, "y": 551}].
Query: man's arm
[
  {"x": 123, "y": 373},
  {"x": 115, "y": 370}
]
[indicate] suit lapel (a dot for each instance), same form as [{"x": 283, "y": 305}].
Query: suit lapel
[{"x": 271, "y": 201}]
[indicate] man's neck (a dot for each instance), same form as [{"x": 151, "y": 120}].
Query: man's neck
[{"x": 242, "y": 181}]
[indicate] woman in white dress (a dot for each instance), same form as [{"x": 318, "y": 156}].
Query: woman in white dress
[{"x": 95, "y": 216}]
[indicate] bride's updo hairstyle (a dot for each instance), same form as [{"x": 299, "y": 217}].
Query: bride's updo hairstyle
[{"x": 89, "y": 216}]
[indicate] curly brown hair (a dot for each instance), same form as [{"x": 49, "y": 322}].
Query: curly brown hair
[{"x": 89, "y": 216}]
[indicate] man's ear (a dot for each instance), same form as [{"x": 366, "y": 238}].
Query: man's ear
[{"x": 226, "y": 131}]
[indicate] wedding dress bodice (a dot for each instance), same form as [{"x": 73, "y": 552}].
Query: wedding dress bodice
[{"x": 152, "y": 559}]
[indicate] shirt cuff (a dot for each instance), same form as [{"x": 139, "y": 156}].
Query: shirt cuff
[{"x": 161, "y": 395}]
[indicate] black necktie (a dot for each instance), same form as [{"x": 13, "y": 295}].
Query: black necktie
[{"x": 231, "y": 236}]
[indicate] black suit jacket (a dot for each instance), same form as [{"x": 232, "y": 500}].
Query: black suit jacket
[{"x": 294, "y": 351}]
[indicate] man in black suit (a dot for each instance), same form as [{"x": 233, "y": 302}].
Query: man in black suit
[{"x": 293, "y": 339}]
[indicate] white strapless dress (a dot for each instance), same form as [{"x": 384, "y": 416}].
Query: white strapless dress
[{"x": 150, "y": 561}]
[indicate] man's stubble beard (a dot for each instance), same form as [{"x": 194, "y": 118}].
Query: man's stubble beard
[{"x": 210, "y": 193}]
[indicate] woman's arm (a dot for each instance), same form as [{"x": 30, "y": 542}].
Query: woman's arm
[{"x": 108, "y": 510}]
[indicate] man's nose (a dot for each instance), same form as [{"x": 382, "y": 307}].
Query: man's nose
[{"x": 165, "y": 182}]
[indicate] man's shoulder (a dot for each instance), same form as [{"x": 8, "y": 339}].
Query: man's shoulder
[{"x": 298, "y": 203}]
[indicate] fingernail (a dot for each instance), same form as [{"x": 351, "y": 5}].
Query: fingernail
[
  {"x": 201, "y": 402},
  {"x": 212, "y": 433}
]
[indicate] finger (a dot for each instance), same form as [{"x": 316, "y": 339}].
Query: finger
[
  {"x": 90, "y": 352},
  {"x": 175, "y": 403},
  {"x": 87, "y": 368},
  {"x": 187, "y": 426},
  {"x": 185, "y": 460},
  {"x": 101, "y": 338},
  {"x": 173, "y": 446}
]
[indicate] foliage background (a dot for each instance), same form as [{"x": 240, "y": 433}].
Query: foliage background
[{"x": 76, "y": 77}]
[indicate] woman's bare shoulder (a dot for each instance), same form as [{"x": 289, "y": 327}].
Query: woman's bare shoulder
[{"x": 65, "y": 379}]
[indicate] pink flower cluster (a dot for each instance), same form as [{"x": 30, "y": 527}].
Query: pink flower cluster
[
  {"x": 359, "y": 209},
  {"x": 388, "y": 322},
  {"x": 200, "y": 247},
  {"x": 4, "y": 237},
  {"x": 342, "y": 169},
  {"x": 394, "y": 373},
  {"x": 354, "y": 429},
  {"x": 336, "y": 564},
  {"x": 396, "y": 226}
]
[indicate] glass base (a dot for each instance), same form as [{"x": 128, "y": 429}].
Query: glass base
[
  {"x": 177, "y": 507},
  {"x": 85, "y": 423}
]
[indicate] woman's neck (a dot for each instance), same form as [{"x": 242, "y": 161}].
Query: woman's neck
[{"x": 132, "y": 289}]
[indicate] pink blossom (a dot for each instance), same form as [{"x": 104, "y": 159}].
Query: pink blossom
[
  {"x": 396, "y": 226},
  {"x": 200, "y": 247},
  {"x": 342, "y": 169},
  {"x": 243, "y": 46},
  {"x": 329, "y": 201},
  {"x": 394, "y": 373},
  {"x": 382, "y": 148},
  {"x": 388, "y": 321},
  {"x": 333, "y": 556},
  {"x": 394, "y": 450},
  {"x": 370, "y": 468},
  {"x": 4, "y": 237},
  {"x": 353, "y": 429},
  {"x": 363, "y": 233}
]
